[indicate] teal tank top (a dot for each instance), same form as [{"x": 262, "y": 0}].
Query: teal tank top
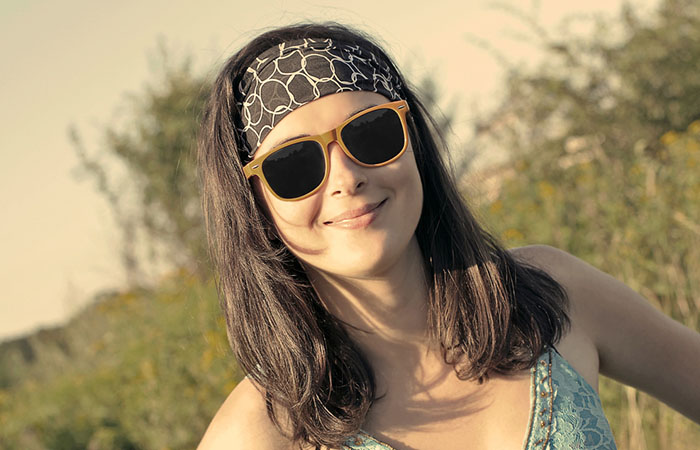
[{"x": 565, "y": 411}]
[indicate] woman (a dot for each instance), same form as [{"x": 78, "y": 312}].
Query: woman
[{"x": 366, "y": 304}]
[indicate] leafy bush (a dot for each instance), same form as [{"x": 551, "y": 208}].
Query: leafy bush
[{"x": 151, "y": 369}]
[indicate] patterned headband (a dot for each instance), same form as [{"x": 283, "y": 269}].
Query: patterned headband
[{"x": 292, "y": 74}]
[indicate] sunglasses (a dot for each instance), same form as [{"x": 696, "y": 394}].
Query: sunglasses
[{"x": 297, "y": 169}]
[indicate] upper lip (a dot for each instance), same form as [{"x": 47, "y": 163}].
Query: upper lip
[{"x": 352, "y": 213}]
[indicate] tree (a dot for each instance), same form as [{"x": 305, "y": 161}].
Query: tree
[{"x": 157, "y": 149}]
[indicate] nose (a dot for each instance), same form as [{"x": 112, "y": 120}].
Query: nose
[{"x": 345, "y": 177}]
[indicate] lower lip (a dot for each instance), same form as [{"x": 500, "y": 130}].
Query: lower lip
[{"x": 362, "y": 221}]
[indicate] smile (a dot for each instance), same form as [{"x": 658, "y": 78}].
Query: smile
[{"x": 357, "y": 218}]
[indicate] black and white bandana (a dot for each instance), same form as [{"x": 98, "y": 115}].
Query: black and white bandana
[{"x": 295, "y": 73}]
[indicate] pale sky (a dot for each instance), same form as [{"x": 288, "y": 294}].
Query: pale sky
[{"x": 72, "y": 62}]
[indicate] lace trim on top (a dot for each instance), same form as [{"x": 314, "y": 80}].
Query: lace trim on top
[
  {"x": 565, "y": 412},
  {"x": 363, "y": 441},
  {"x": 569, "y": 407}
]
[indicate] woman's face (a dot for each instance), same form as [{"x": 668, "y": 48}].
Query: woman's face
[{"x": 360, "y": 247}]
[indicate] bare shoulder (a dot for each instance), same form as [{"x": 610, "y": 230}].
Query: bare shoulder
[
  {"x": 637, "y": 344},
  {"x": 242, "y": 423},
  {"x": 589, "y": 290},
  {"x": 566, "y": 270},
  {"x": 552, "y": 260},
  {"x": 577, "y": 345},
  {"x": 571, "y": 272}
]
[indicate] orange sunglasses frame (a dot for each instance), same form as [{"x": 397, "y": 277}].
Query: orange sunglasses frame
[{"x": 254, "y": 168}]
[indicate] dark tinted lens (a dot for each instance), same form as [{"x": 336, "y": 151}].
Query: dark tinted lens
[
  {"x": 295, "y": 170},
  {"x": 375, "y": 137}
]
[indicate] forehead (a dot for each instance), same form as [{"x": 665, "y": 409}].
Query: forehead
[{"x": 319, "y": 116}]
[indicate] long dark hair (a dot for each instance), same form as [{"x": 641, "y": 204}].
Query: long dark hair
[{"x": 489, "y": 312}]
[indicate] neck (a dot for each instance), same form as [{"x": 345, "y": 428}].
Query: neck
[{"x": 386, "y": 314}]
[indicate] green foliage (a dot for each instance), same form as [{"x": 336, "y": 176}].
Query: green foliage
[
  {"x": 144, "y": 369},
  {"x": 604, "y": 147}
]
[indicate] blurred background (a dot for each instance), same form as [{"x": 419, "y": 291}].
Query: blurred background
[{"x": 572, "y": 125}]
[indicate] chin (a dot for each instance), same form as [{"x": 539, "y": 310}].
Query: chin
[{"x": 367, "y": 265}]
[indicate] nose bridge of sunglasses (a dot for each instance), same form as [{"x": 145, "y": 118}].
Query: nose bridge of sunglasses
[
  {"x": 334, "y": 136},
  {"x": 328, "y": 137}
]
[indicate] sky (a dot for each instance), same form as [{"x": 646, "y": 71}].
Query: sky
[{"x": 74, "y": 62}]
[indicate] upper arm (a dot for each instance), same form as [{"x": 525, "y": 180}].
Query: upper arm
[
  {"x": 242, "y": 423},
  {"x": 637, "y": 344}
]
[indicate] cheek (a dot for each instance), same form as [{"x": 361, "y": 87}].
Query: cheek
[
  {"x": 410, "y": 192},
  {"x": 295, "y": 221},
  {"x": 296, "y": 224},
  {"x": 407, "y": 177},
  {"x": 290, "y": 216}
]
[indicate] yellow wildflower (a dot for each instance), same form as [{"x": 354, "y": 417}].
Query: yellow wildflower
[{"x": 669, "y": 138}]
